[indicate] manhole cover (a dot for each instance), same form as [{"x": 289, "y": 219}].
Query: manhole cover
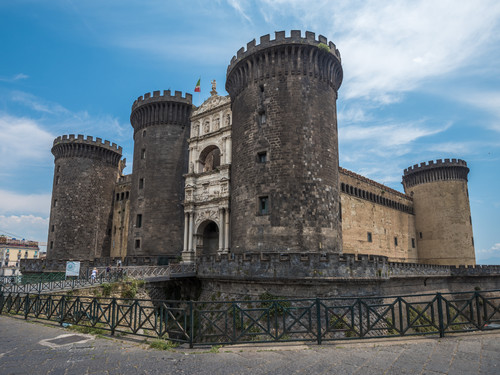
[{"x": 66, "y": 340}]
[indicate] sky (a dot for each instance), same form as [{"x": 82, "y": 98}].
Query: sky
[{"x": 421, "y": 82}]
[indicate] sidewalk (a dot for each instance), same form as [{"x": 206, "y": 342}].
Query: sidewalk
[{"x": 29, "y": 348}]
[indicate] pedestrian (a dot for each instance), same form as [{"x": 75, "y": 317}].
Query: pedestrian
[{"x": 93, "y": 276}]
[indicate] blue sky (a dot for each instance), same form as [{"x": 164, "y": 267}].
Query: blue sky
[{"x": 421, "y": 82}]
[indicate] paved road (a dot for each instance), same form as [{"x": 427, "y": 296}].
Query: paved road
[{"x": 30, "y": 348}]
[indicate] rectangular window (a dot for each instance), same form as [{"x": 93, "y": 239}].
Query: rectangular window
[
  {"x": 262, "y": 118},
  {"x": 51, "y": 245},
  {"x": 264, "y": 205},
  {"x": 369, "y": 237},
  {"x": 55, "y": 202},
  {"x": 420, "y": 235},
  {"x": 141, "y": 183},
  {"x": 143, "y": 153},
  {"x": 137, "y": 244},
  {"x": 126, "y": 195},
  {"x": 52, "y": 228},
  {"x": 117, "y": 196},
  {"x": 262, "y": 157},
  {"x": 413, "y": 242},
  {"x": 395, "y": 241},
  {"x": 138, "y": 222},
  {"x": 57, "y": 180}
]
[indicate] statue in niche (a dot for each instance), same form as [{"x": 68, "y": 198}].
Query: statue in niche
[
  {"x": 216, "y": 124},
  {"x": 195, "y": 131},
  {"x": 191, "y": 167},
  {"x": 121, "y": 166},
  {"x": 228, "y": 119},
  {"x": 207, "y": 127}
]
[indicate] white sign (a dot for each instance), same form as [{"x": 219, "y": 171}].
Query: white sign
[{"x": 72, "y": 269}]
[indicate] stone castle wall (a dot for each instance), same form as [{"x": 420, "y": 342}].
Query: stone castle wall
[
  {"x": 81, "y": 207},
  {"x": 283, "y": 95},
  {"x": 161, "y": 130},
  {"x": 376, "y": 220}
]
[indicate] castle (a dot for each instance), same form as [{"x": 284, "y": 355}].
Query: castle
[{"x": 255, "y": 172}]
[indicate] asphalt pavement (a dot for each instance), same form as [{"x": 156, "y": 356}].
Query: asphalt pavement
[{"x": 28, "y": 347}]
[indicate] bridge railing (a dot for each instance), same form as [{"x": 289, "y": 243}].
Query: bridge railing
[
  {"x": 11, "y": 285},
  {"x": 269, "y": 319}
]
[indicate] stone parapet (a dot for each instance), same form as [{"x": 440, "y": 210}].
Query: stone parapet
[
  {"x": 86, "y": 147},
  {"x": 440, "y": 170},
  {"x": 283, "y": 56}
]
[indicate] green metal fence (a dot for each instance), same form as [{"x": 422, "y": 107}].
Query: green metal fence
[{"x": 314, "y": 320}]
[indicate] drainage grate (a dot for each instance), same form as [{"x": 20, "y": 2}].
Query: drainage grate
[{"x": 66, "y": 340}]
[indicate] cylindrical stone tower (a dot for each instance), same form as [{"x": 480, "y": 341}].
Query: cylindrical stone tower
[
  {"x": 82, "y": 197},
  {"x": 285, "y": 189},
  {"x": 442, "y": 211},
  {"x": 161, "y": 129}
]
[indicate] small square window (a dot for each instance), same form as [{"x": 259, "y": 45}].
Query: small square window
[
  {"x": 262, "y": 157},
  {"x": 263, "y": 205},
  {"x": 369, "y": 237}
]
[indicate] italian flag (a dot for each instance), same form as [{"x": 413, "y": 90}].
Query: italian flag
[{"x": 198, "y": 87}]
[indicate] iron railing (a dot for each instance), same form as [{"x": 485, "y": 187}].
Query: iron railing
[
  {"x": 47, "y": 284},
  {"x": 32, "y": 278},
  {"x": 271, "y": 320}
]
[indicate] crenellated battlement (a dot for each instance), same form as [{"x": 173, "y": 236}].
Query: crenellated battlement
[
  {"x": 439, "y": 170},
  {"x": 284, "y": 56},
  {"x": 167, "y": 96},
  {"x": 157, "y": 109},
  {"x": 439, "y": 163},
  {"x": 80, "y": 138},
  {"x": 86, "y": 147}
]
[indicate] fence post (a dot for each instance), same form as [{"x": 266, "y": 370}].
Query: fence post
[
  {"x": 318, "y": 321},
  {"x": 26, "y": 306},
  {"x": 1, "y": 302},
  {"x": 478, "y": 310},
  {"x": 62, "y": 308},
  {"x": 191, "y": 325},
  {"x": 440, "y": 314},
  {"x": 113, "y": 316}
]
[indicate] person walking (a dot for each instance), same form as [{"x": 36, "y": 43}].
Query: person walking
[{"x": 93, "y": 276}]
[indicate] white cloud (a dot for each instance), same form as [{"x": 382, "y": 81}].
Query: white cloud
[
  {"x": 239, "y": 6},
  {"x": 15, "y": 203},
  {"x": 488, "y": 101},
  {"x": 17, "y": 77},
  {"x": 389, "y": 48},
  {"x": 24, "y": 142},
  {"x": 29, "y": 227}
]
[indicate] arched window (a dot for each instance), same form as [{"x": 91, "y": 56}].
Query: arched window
[{"x": 209, "y": 159}]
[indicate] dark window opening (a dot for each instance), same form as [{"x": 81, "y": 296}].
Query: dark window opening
[
  {"x": 141, "y": 183},
  {"x": 369, "y": 237},
  {"x": 51, "y": 245},
  {"x": 109, "y": 231},
  {"x": 340, "y": 211},
  {"x": 114, "y": 229},
  {"x": 395, "y": 241},
  {"x": 138, "y": 221},
  {"x": 58, "y": 168},
  {"x": 143, "y": 133},
  {"x": 117, "y": 196},
  {"x": 52, "y": 228},
  {"x": 262, "y": 117},
  {"x": 137, "y": 244},
  {"x": 264, "y": 205},
  {"x": 143, "y": 153},
  {"x": 413, "y": 242},
  {"x": 55, "y": 202},
  {"x": 122, "y": 196},
  {"x": 57, "y": 180},
  {"x": 262, "y": 157},
  {"x": 126, "y": 195},
  {"x": 420, "y": 235},
  {"x": 261, "y": 88}
]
